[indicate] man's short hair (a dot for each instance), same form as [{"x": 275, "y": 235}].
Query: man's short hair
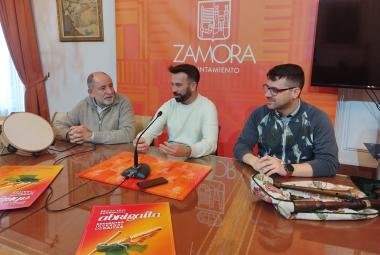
[
  {"x": 291, "y": 72},
  {"x": 191, "y": 71},
  {"x": 90, "y": 79}
]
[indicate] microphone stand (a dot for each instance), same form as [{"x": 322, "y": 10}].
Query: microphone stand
[{"x": 139, "y": 171}]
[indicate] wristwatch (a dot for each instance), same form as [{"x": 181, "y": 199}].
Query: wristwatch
[{"x": 289, "y": 170}]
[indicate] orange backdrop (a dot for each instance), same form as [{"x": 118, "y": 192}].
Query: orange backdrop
[{"x": 232, "y": 42}]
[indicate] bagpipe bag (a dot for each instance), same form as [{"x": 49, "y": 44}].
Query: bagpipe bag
[{"x": 285, "y": 200}]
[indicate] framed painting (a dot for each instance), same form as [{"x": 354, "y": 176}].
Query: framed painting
[{"x": 80, "y": 20}]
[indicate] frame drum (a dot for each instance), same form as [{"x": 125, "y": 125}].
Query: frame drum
[{"x": 25, "y": 134}]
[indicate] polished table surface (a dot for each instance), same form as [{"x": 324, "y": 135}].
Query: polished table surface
[{"x": 221, "y": 216}]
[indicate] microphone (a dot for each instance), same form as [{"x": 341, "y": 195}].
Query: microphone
[{"x": 139, "y": 171}]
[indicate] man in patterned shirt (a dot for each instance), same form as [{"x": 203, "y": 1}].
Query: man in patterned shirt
[{"x": 294, "y": 138}]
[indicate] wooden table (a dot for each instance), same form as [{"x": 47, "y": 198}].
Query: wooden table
[{"x": 220, "y": 217}]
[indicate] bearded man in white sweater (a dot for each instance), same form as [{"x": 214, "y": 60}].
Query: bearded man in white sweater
[{"x": 191, "y": 119}]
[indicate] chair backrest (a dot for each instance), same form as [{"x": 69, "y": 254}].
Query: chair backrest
[
  {"x": 141, "y": 121},
  {"x": 58, "y": 116},
  {"x": 2, "y": 118},
  {"x": 217, "y": 143}
]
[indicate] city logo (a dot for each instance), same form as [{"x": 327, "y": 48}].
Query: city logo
[
  {"x": 214, "y": 25},
  {"x": 214, "y": 20}
]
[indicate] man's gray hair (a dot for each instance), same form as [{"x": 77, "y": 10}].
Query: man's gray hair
[{"x": 90, "y": 79}]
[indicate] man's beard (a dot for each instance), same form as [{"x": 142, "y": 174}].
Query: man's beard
[
  {"x": 103, "y": 103},
  {"x": 182, "y": 98}
]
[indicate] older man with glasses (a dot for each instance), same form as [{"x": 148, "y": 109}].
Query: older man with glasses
[{"x": 294, "y": 138}]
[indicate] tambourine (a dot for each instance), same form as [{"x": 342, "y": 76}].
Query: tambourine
[{"x": 25, "y": 134}]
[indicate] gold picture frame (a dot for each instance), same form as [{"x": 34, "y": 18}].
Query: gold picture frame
[{"x": 80, "y": 20}]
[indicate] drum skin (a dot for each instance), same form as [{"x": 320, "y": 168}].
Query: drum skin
[{"x": 26, "y": 133}]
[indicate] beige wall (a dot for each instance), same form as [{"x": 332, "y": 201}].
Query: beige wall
[{"x": 69, "y": 63}]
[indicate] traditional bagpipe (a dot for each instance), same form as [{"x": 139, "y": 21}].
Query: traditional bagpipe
[{"x": 315, "y": 200}]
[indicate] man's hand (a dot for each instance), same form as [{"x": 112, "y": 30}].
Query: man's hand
[
  {"x": 270, "y": 165},
  {"x": 79, "y": 134},
  {"x": 142, "y": 146},
  {"x": 175, "y": 149}
]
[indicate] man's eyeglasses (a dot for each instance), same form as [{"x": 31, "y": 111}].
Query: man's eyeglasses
[{"x": 274, "y": 91}]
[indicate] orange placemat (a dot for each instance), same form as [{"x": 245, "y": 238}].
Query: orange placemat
[{"x": 182, "y": 177}]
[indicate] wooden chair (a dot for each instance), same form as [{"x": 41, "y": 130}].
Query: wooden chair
[
  {"x": 217, "y": 143},
  {"x": 2, "y": 118},
  {"x": 57, "y": 116},
  {"x": 141, "y": 121}
]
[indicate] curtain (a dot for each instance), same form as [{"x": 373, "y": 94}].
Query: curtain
[
  {"x": 16, "y": 18},
  {"x": 11, "y": 87}
]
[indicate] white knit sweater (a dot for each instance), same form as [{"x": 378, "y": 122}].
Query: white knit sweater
[{"x": 195, "y": 125}]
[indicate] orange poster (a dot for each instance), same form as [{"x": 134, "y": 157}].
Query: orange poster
[
  {"x": 182, "y": 177},
  {"x": 128, "y": 229},
  {"x": 20, "y": 186},
  {"x": 232, "y": 42}
]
